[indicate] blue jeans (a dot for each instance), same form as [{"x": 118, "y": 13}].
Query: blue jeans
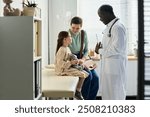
[{"x": 91, "y": 85}]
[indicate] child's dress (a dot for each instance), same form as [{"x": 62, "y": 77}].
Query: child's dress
[{"x": 63, "y": 65}]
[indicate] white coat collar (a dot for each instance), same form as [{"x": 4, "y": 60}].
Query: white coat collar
[
  {"x": 111, "y": 22},
  {"x": 109, "y": 25}
]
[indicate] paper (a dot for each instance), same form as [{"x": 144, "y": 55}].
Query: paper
[{"x": 90, "y": 64}]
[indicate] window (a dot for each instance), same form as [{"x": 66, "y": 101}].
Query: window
[
  {"x": 147, "y": 27},
  {"x": 126, "y": 10}
]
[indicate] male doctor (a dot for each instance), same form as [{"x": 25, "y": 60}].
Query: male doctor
[{"x": 114, "y": 56}]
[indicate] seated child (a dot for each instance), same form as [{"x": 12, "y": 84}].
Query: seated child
[{"x": 63, "y": 62}]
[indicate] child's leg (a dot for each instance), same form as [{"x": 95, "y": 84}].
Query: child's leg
[
  {"x": 78, "y": 94},
  {"x": 80, "y": 83}
]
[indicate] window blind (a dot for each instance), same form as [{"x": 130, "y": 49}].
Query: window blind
[{"x": 147, "y": 48}]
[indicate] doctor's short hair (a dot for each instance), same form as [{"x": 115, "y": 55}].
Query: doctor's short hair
[
  {"x": 106, "y": 8},
  {"x": 76, "y": 20}
]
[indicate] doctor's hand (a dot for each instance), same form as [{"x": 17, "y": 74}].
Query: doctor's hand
[{"x": 97, "y": 47}]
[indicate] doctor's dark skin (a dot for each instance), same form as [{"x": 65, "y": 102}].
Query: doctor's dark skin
[{"x": 106, "y": 17}]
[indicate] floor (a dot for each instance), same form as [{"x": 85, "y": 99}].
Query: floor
[
  {"x": 127, "y": 98},
  {"x": 98, "y": 98}
]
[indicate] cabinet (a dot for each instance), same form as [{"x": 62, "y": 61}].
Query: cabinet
[
  {"x": 132, "y": 78},
  {"x": 20, "y": 58}
]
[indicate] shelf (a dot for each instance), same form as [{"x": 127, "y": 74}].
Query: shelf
[
  {"x": 37, "y": 38},
  {"x": 20, "y": 78},
  {"x": 39, "y": 97},
  {"x": 130, "y": 58},
  {"x": 37, "y": 58},
  {"x": 37, "y": 19}
]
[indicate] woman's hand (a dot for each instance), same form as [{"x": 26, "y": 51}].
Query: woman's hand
[{"x": 81, "y": 61}]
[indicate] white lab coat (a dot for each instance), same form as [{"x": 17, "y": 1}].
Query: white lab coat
[{"x": 114, "y": 63}]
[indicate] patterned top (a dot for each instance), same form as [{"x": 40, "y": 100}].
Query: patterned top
[{"x": 63, "y": 64}]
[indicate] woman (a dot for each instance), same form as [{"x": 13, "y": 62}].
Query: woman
[
  {"x": 63, "y": 62},
  {"x": 91, "y": 83}
]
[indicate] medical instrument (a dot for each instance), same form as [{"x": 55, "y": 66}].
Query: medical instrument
[{"x": 109, "y": 34}]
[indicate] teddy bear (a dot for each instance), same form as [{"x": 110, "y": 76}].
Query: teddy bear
[
  {"x": 77, "y": 66},
  {"x": 9, "y": 11}
]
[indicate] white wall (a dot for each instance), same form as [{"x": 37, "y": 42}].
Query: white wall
[
  {"x": 43, "y": 4},
  {"x": 61, "y": 11},
  {"x": 1, "y": 8}
]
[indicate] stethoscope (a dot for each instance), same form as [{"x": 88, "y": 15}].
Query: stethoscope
[{"x": 109, "y": 32}]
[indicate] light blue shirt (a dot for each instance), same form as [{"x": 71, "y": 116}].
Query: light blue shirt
[{"x": 76, "y": 43}]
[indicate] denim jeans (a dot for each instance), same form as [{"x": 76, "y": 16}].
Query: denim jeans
[{"x": 91, "y": 85}]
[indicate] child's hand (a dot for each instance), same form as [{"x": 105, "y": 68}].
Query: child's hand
[{"x": 73, "y": 62}]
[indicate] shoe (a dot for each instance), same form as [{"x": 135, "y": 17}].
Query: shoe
[{"x": 78, "y": 95}]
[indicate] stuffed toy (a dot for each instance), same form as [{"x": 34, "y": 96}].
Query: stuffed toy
[
  {"x": 9, "y": 11},
  {"x": 77, "y": 66}
]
